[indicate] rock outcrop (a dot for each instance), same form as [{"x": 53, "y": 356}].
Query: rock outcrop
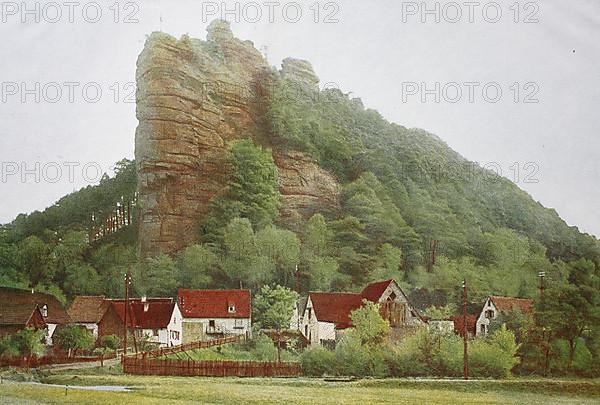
[{"x": 193, "y": 98}]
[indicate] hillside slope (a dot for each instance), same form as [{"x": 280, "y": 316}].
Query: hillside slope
[{"x": 250, "y": 174}]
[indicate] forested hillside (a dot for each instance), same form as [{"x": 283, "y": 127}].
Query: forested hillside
[{"x": 410, "y": 209}]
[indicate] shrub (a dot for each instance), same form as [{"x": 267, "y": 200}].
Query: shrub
[
  {"x": 110, "y": 342},
  {"x": 494, "y": 356},
  {"x": 264, "y": 349},
  {"x": 28, "y": 342},
  {"x": 353, "y": 358},
  {"x": 582, "y": 358},
  {"x": 369, "y": 326},
  {"x": 412, "y": 356},
  {"x": 73, "y": 337},
  {"x": 449, "y": 358},
  {"x": 318, "y": 362},
  {"x": 8, "y": 347}
]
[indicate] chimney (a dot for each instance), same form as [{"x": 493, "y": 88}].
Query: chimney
[{"x": 144, "y": 299}]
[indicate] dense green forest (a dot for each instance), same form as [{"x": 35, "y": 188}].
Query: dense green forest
[{"x": 411, "y": 209}]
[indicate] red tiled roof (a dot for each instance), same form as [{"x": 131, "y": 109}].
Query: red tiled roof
[
  {"x": 16, "y": 297},
  {"x": 336, "y": 307},
  {"x": 459, "y": 324},
  {"x": 154, "y": 314},
  {"x": 373, "y": 291},
  {"x": 214, "y": 303},
  {"x": 507, "y": 304},
  {"x": 87, "y": 309}
]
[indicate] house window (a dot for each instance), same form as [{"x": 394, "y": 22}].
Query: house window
[
  {"x": 238, "y": 323},
  {"x": 489, "y": 313},
  {"x": 211, "y": 323},
  {"x": 155, "y": 332},
  {"x": 483, "y": 328},
  {"x": 392, "y": 296},
  {"x": 309, "y": 313},
  {"x": 231, "y": 308},
  {"x": 305, "y": 330},
  {"x": 45, "y": 311}
]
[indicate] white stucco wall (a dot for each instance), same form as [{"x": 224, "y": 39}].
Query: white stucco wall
[
  {"x": 230, "y": 326},
  {"x": 50, "y": 328},
  {"x": 165, "y": 337},
  {"x": 326, "y": 331},
  {"x": 175, "y": 325},
  {"x": 483, "y": 320},
  {"x": 316, "y": 331}
]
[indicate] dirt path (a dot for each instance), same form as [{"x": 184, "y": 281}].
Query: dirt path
[{"x": 80, "y": 365}]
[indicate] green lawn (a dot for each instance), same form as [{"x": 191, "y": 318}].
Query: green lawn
[{"x": 167, "y": 390}]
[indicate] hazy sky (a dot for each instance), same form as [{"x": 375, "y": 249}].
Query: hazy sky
[{"x": 386, "y": 52}]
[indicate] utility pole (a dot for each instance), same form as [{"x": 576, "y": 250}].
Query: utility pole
[
  {"x": 127, "y": 282},
  {"x": 542, "y": 275},
  {"x": 465, "y": 338}
]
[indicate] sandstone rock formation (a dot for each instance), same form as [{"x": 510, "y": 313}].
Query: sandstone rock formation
[{"x": 193, "y": 98}]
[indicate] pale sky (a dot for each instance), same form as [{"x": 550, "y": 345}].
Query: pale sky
[{"x": 381, "y": 51}]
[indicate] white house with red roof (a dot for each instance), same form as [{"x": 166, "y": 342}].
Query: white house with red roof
[
  {"x": 328, "y": 313},
  {"x": 157, "y": 319},
  {"x": 495, "y": 305},
  {"x": 214, "y": 313}
]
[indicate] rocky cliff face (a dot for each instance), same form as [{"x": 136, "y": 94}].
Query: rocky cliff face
[{"x": 193, "y": 98}]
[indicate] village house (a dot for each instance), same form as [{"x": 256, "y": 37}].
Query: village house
[
  {"x": 24, "y": 302},
  {"x": 459, "y": 325},
  {"x": 495, "y": 305},
  {"x": 214, "y": 313},
  {"x": 158, "y": 320},
  {"x": 88, "y": 311},
  {"x": 326, "y": 315},
  {"x": 14, "y": 318}
]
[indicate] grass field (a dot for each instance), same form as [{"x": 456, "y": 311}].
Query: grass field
[{"x": 182, "y": 390}]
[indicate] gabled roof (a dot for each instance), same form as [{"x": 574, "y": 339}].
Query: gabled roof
[
  {"x": 335, "y": 307},
  {"x": 374, "y": 291},
  {"x": 507, "y": 304},
  {"x": 17, "y": 314},
  {"x": 15, "y": 297},
  {"x": 214, "y": 303},
  {"x": 145, "y": 315},
  {"x": 87, "y": 309}
]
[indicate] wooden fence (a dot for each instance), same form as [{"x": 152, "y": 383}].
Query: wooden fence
[
  {"x": 32, "y": 362},
  {"x": 203, "y": 344},
  {"x": 210, "y": 368}
]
